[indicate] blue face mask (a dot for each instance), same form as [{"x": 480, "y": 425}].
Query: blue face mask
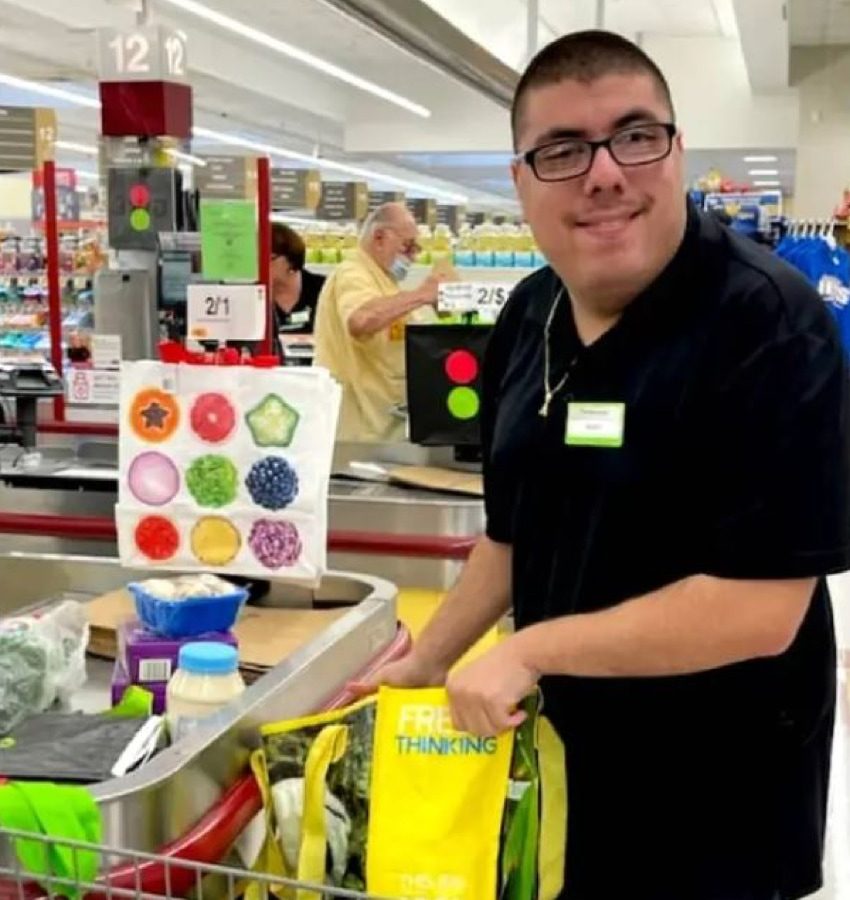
[{"x": 400, "y": 268}]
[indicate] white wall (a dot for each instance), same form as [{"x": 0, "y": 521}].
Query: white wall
[
  {"x": 822, "y": 76},
  {"x": 707, "y": 75},
  {"x": 714, "y": 102}
]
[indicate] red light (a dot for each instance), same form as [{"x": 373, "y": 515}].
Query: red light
[
  {"x": 140, "y": 195},
  {"x": 461, "y": 367}
]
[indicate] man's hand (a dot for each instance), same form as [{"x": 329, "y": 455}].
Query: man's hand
[
  {"x": 409, "y": 672},
  {"x": 429, "y": 288},
  {"x": 484, "y": 695}
]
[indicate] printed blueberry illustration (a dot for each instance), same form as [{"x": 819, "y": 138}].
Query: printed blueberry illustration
[{"x": 272, "y": 483}]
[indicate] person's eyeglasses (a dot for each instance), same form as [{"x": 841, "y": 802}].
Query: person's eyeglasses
[
  {"x": 410, "y": 246},
  {"x": 637, "y": 145}
]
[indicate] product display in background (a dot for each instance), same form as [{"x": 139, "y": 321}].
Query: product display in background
[
  {"x": 225, "y": 469},
  {"x": 480, "y": 246}
]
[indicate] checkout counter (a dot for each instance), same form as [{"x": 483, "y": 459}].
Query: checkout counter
[{"x": 413, "y": 537}]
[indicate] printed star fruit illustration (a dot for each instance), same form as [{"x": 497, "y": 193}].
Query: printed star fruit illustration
[{"x": 272, "y": 422}]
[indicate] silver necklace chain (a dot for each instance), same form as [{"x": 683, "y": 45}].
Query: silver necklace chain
[{"x": 549, "y": 392}]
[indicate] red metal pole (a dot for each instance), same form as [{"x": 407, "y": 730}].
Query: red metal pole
[
  {"x": 54, "y": 297},
  {"x": 264, "y": 232}
]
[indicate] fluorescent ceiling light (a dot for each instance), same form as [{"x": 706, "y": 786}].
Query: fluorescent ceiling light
[
  {"x": 233, "y": 140},
  {"x": 72, "y": 147},
  {"x": 760, "y": 159},
  {"x": 767, "y": 183},
  {"x": 764, "y": 171},
  {"x": 49, "y": 90},
  {"x": 186, "y": 157},
  {"x": 260, "y": 37}
]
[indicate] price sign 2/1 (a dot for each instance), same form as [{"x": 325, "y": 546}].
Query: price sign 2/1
[
  {"x": 226, "y": 312},
  {"x": 465, "y": 297}
]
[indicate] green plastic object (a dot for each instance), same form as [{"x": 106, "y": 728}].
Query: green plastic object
[
  {"x": 135, "y": 703},
  {"x": 272, "y": 422},
  {"x": 63, "y": 813}
]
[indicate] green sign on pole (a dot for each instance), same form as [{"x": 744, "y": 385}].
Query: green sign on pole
[{"x": 229, "y": 249}]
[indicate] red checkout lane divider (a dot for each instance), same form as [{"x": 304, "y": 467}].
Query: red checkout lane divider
[
  {"x": 210, "y": 838},
  {"x": 92, "y": 528}
]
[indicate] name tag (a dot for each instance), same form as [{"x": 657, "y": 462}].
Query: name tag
[
  {"x": 302, "y": 317},
  {"x": 595, "y": 424}
]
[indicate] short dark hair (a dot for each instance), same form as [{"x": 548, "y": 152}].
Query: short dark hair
[
  {"x": 585, "y": 56},
  {"x": 287, "y": 243}
]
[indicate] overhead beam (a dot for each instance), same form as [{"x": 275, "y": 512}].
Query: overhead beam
[{"x": 416, "y": 28}]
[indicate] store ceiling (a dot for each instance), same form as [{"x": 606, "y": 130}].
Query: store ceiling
[
  {"x": 250, "y": 90},
  {"x": 497, "y": 25},
  {"x": 819, "y": 21}
]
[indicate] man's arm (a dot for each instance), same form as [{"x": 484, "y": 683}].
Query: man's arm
[
  {"x": 692, "y": 625},
  {"x": 478, "y": 600},
  {"x": 380, "y": 312}
]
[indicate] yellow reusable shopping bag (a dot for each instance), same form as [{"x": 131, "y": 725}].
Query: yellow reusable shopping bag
[
  {"x": 437, "y": 802},
  {"x": 385, "y": 797}
]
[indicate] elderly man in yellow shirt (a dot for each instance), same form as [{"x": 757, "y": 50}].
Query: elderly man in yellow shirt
[{"x": 360, "y": 323}]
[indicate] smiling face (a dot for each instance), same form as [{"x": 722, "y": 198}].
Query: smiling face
[{"x": 610, "y": 232}]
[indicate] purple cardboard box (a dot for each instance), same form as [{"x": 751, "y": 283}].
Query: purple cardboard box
[
  {"x": 121, "y": 681},
  {"x": 149, "y": 658}
]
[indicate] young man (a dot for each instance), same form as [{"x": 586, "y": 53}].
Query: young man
[
  {"x": 360, "y": 325},
  {"x": 666, "y": 445}
]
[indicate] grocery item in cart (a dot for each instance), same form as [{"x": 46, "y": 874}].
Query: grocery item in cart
[
  {"x": 69, "y": 747},
  {"x": 150, "y": 658},
  {"x": 187, "y": 606},
  {"x": 42, "y": 659},
  {"x": 386, "y": 797},
  {"x": 206, "y": 681}
]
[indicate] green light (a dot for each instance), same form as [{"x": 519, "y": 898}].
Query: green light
[
  {"x": 463, "y": 403},
  {"x": 140, "y": 220}
]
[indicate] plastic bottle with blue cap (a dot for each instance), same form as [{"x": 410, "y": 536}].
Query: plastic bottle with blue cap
[{"x": 206, "y": 681}]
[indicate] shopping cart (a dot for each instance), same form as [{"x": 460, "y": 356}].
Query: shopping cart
[
  {"x": 196, "y": 864},
  {"x": 129, "y": 871}
]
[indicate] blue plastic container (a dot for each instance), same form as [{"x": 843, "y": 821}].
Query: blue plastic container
[{"x": 190, "y": 617}]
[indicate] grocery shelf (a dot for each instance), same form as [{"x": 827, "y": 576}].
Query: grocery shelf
[{"x": 467, "y": 273}]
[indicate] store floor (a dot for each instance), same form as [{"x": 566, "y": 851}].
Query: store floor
[{"x": 837, "y": 866}]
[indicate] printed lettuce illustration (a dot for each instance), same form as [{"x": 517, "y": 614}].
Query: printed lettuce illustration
[
  {"x": 272, "y": 422},
  {"x": 212, "y": 480}
]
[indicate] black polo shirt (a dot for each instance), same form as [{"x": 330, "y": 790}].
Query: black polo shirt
[
  {"x": 735, "y": 462},
  {"x": 301, "y": 318}
]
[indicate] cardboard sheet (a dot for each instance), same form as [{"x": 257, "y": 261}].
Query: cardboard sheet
[
  {"x": 266, "y": 636},
  {"x": 433, "y": 478}
]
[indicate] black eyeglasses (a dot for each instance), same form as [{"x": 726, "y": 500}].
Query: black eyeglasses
[{"x": 637, "y": 145}]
